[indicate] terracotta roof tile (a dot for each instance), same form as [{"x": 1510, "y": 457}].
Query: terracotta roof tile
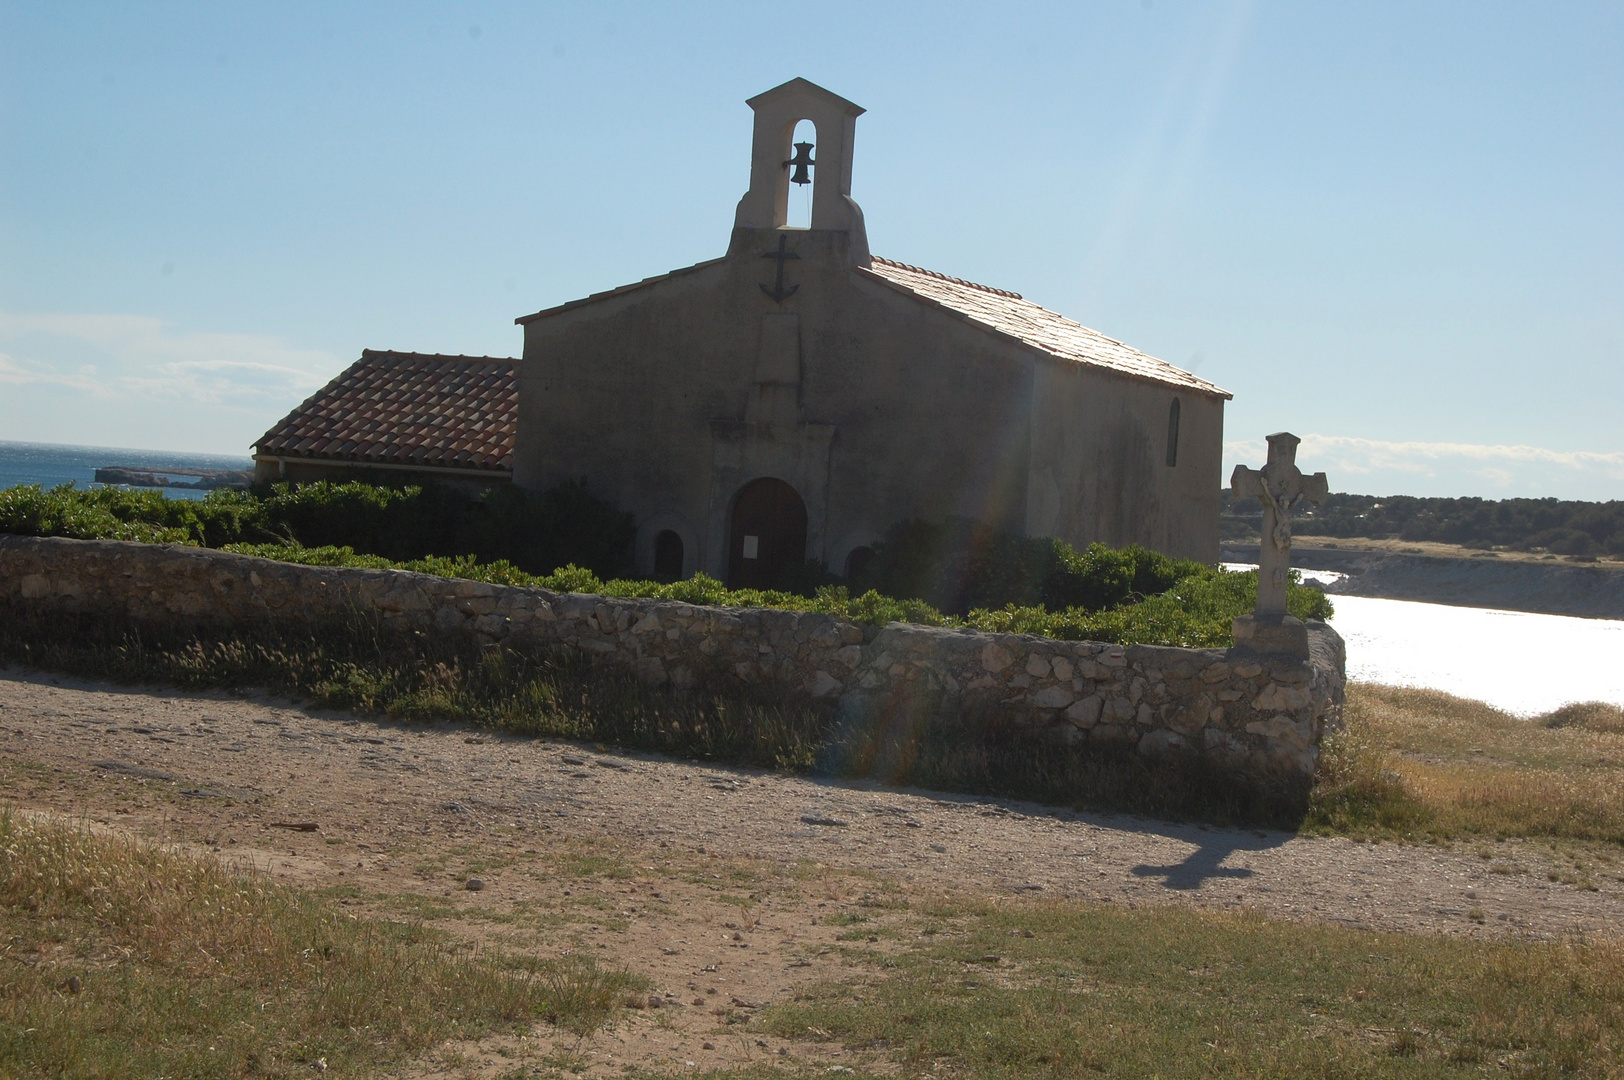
[
  {"x": 455, "y": 412},
  {"x": 1042, "y": 329}
]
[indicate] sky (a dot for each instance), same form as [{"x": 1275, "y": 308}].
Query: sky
[{"x": 1395, "y": 229}]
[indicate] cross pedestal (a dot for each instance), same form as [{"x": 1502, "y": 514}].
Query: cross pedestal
[{"x": 1280, "y": 486}]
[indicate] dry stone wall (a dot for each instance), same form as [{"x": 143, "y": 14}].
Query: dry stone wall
[{"x": 1245, "y": 710}]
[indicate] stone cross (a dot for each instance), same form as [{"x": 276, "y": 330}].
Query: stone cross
[{"x": 1280, "y": 486}]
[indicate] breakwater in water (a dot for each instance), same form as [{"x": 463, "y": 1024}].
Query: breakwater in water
[{"x": 1246, "y": 712}]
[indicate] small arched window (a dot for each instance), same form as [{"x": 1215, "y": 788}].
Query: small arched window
[
  {"x": 668, "y": 556},
  {"x": 1173, "y": 433},
  {"x": 862, "y": 569}
]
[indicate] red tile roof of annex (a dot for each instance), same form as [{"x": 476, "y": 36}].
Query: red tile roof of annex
[{"x": 412, "y": 410}]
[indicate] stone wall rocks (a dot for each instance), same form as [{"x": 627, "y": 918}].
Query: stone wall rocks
[{"x": 1246, "y": 711}]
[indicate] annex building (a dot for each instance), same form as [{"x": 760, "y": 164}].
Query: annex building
[{"x": 795, "y": 397}]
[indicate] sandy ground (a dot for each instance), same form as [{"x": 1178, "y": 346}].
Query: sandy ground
[{"x": 729, "y": 888}]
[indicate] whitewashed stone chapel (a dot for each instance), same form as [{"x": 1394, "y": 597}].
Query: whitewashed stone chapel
[{"x": 795, "y": 397}]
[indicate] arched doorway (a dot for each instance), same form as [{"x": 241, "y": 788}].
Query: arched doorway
[{"x": 767, "y": 540}]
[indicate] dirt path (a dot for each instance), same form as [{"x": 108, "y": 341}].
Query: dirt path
[{"x": 727, "y": 887}]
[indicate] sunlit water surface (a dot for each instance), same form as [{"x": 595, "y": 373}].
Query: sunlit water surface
[
  {"x": 1517, "y": 661},
  {"x": 1521, "y": 662}
]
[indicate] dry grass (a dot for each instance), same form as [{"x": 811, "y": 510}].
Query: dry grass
[
  {"x": 122, "y": 959},
  {"x": 1598, "y": 716},
  {"x": 1424, "y": 763},
  {"x": 1074, "y": 990}
]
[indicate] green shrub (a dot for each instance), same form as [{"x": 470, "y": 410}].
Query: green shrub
[
  {"x": 107, "y": 513},
  {"x": 395, "y": 522},
  {"x": 961, "y": 565},
  {"x": 562, "y": 525},
  {"x": 536, "y": 532},
  {"x": 1195, "y": 613}
]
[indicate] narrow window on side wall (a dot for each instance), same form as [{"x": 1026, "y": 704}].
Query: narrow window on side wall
[{"x": 1173, "y": 433}]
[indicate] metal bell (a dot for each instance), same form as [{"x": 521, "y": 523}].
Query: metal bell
[{"x": 801, "y": 160}]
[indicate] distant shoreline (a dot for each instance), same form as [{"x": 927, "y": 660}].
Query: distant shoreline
[
  {"x": 198, "y": 479},
  {"x": 52, "y": 464},
  {"x": 1510, "y": 581}
]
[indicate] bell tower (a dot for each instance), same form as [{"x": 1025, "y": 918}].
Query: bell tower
[{"x": 774, "y": 163}]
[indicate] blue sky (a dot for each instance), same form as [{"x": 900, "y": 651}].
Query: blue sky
[{"x": 1395, "y": 229}]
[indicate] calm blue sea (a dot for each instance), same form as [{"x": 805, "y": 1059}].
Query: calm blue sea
[{"x": 50, "y": 465}]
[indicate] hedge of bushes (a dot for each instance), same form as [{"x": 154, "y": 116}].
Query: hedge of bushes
[
  {"x": 537, "y": 532},
  {"x": 951, "y": 574},
  {"x": 961, "y": 565}
]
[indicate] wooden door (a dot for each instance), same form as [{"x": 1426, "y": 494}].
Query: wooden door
[{"x": 768, "y": 536}]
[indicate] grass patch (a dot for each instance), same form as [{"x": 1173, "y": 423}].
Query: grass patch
[
  {"x": 1601, "y": 717},
  {"x": 1099, "y": 991},
  {"x": 1420, "y": 764},
  {"x": 123, "y": 959}
]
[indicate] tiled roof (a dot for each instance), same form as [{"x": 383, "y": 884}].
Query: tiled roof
[
  {"x": 998, "y": 310},
  {"x": 1007, "y": 313},
  {"x": 410, "y": 410}
]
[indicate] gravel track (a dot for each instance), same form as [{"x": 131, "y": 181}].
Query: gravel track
[{"x": 345, "y": 772}]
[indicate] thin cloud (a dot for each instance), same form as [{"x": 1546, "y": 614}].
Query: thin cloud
[
  {"x": 18, "y": 373},
  {"x": 1412, "y": 466},
  {"x": 109, "y": 356},
  {"x": 1378, "y": 453}
]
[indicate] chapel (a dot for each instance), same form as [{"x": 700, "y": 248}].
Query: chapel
[{"x": 794, "y": 398}]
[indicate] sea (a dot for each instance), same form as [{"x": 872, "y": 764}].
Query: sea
[
  {"x": 1523, "y": 663},
  {"x": 50, "y": 464},
  {"x": 1519, "y": 661}
]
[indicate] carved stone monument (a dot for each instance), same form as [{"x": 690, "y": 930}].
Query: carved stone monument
[{"x": 1280, "y": 486}]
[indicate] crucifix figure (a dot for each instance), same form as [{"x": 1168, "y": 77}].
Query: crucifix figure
[
  {"x": 1280, "y": 486},
  {"x": 778, "y": 292}
]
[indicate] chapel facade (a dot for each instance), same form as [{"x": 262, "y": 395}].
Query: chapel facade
[{"x": 794, "y": 398}]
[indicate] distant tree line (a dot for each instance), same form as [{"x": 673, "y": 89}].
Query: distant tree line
[{"x": 1554, "y": 525}]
